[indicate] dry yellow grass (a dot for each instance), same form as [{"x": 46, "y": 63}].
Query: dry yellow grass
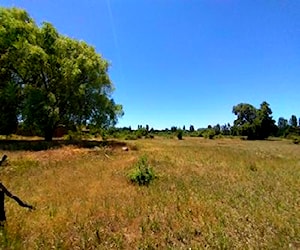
[{"x": 214, "y": 194}]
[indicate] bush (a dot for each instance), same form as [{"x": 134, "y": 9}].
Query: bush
[
  {"x": 140, "y": 133},
  {"x": 179, "y": 134},
  {"x": 219, "y": 136},
  {"x": 142, "y": 173},
  {"x": 209, "y": 134},
  {"x": 131, "y": 137},
  {"x": 195, "y": 134},
  {"x": 149, "y": 136}
]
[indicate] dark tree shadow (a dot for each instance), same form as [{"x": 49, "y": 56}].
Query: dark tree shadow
[{"x": 38, "y": 145}]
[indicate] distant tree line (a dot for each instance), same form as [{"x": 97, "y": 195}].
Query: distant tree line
[{"x": 252, "y": 123}]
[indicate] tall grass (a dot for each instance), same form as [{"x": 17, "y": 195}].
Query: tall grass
[{"x": 215, "y": 194}]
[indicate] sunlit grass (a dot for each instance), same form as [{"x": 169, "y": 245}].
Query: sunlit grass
[{"x": 215, "y": 194}]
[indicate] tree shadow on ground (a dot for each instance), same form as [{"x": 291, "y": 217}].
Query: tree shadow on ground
[{"x": 38, "y": 145}]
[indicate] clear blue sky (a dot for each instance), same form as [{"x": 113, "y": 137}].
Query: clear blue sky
[{"x": 179, "y": 62}]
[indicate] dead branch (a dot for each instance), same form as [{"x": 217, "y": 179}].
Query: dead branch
[
  {"x": 3, "y": 192},
  {"x": 4, "y": 157}
]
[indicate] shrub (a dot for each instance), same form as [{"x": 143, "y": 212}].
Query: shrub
[
  {"x": 195, "y": 134},
  {"x": 131, "y": 137},
  {"x": 219, "y": 136},
  {"x": 179, "y": 134},
  {"x": 142, "y": 173},
  {"x": 117, "y": 135},
  {"x": 209, "y": 134},
  {"x": 149, "y": 136},
  {"x": 141, "y": 132}
]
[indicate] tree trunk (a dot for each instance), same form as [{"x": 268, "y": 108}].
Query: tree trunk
[
  {"x": 48, "y": 134},
  {"x": 2, "y": 210}
]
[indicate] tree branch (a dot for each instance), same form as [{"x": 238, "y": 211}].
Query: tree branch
[
  {"x": 17, "y": 199},
  {"x": 4, "y": 157}
]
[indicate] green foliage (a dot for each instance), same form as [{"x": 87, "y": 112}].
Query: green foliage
[
  {"x": 282, "y": 127},
  {"x": 194, "y": 134},
  {"x": 209, "y": 133},
  {"x": 293, "y": 121},
  {"x": 131, "y": 137},
  {"x": 253, "y": 123},
  {"x": 173, "y": 129},
  {"x": 141, "y": 132},
  {"x": 226, "y": 129},
  {"x": 266, "y": 124},
  {"x": 149, "y": 136},
  {"x": 217, "y": 129},
  {"x": 180, "y": 134},
  {"x": 8, "y": 107},
  {"x": 142, "y": 173},
  {"x": 219, "y": 136},
  {"x": 246, "y": 114},
  {"x": 57, "y": 80},
  {"x": 192, "y": 129}
]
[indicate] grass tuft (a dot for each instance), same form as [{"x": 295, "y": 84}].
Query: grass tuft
[{"x": 142, "y": 173}]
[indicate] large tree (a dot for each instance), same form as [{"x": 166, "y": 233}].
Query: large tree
[
  {"x": 254, "y": 123},
  {"x": 265, "y": 120},
  {"x": 15, "y": 30},
  {"x": 8, "y": 108},
  {"x": 293, "y": 121},
  {"x": 61, "y": 80},
  {"x": 245, "y": 122},
  {"x": 283, "y": 126}
]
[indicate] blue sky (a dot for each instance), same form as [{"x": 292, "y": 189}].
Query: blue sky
[{"x": 183, "y": 62}]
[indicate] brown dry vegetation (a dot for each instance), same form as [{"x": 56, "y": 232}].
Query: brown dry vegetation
[{"x": 214, "y": 194}]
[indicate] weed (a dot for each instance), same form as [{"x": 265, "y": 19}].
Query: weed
[{"x": 142, "y": 173}]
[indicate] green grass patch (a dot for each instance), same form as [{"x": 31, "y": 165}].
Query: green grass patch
[{"x": 142, "y": 173}]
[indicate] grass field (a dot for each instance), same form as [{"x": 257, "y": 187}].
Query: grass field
[{"x": 210, "y": 194}]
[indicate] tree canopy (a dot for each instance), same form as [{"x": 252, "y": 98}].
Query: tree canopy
[
  {"x": 254, "y": 123},
  {"x": 49, "y": 79},
  {"x": 293, "y": 121}
]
